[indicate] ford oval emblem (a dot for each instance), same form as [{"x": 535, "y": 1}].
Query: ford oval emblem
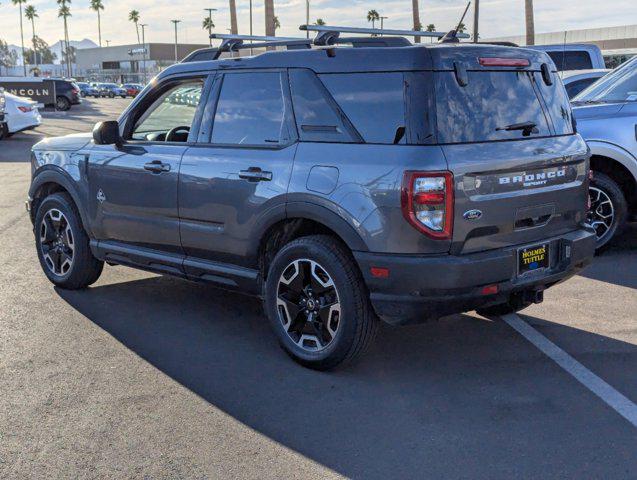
[{"x": 472, "y": 214}]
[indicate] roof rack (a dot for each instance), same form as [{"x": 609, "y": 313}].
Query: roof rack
[
  {"x": 233, "y": 42},
  {"x": 329, "y": 35}
]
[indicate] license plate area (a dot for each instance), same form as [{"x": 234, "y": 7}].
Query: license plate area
[{"x": 534, "y": 259}]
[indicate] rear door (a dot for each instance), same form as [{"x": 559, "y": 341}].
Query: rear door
[
  {"x": 238, "y": 172},
  {"x": 519, "y": 171}
]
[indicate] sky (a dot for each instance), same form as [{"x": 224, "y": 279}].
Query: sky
[{"x": 498, "y": 17}]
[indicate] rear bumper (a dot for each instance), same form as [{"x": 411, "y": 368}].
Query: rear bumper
[{"x": 419, "y": 288}]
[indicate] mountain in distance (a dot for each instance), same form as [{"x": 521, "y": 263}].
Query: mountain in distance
[{"x": 55, "y": 48}]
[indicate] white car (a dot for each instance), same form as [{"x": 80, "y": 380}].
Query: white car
[{"x": 20, "y": 114}]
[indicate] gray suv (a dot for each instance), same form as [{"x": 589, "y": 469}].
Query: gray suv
[{"x": 341, "y": 185}]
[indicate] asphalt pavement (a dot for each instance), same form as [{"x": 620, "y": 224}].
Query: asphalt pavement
[{"x": 143, "y": 376}]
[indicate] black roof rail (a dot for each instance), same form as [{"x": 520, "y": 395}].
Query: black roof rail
[
  {"x": 233, "y": 43},
  {"x": 328, "y": 34}
]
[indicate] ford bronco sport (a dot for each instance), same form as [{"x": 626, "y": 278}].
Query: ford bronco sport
[{"x": 341, "y": 185}]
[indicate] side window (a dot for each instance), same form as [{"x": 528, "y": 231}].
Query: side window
[
  {"x": 251, "y": 110},
  {"x": 575, "y": 87},
  {"x": 571, "y": 60},
  {"x": 173, "y": 110},
  {"x": 373, "y": 102},
  {"x": 317, "y": 118}
]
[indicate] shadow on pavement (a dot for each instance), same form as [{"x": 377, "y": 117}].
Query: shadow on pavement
[
  {"x": 617, "y": 263},
  {"x": 460, "y": 398}
]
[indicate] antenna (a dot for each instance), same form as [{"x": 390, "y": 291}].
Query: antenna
[{"x": 452, "y": 35}]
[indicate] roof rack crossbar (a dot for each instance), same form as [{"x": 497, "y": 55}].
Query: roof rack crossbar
[{"x": 233, "y": 43}]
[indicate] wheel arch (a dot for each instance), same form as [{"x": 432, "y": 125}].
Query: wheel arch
[{"x": 619, "y": 165}]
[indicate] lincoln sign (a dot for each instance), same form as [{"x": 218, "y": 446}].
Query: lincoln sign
[{"x": 41, "y": 90}]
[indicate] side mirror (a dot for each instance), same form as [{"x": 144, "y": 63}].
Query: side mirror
[{"x": 106, "y": 133}]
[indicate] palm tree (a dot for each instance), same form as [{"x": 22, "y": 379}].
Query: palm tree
[
  {"x": 133, "y": 16},
  {"x": 234, "y": 29},
  {"x": 530, "y": 23},
  {"x": 431, "y": 28},
  {"x": 31, "y": 14},
  {"x": 416, "y": 14},
  {"x": 19, "y": 4},
  {"x": 97, "y": 5},
  {"x": 65, "y": 12},
  {"x": 277, "y": 24},
  {"x": 270, "y": 27},
  {"x": 208, "y": 24},
  {"x": 319, "y": 21},
  {"x": 372, "y": 16},
  {"x": 462, "y": 27}
]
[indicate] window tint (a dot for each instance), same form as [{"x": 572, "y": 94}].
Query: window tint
[
  {"x": 571, "y": 60},
  {"x": 174, "y": 108},
  {"x": 251, "y": 110},
  {"x": 577, "y": 86},
  {"x": 317, "y": 119},
  {"x": 490, "y": 102},
  {"x": 373, "y": 102}
]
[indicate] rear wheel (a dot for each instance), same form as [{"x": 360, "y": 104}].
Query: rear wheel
[
  {"x": 111, "y": 95},
  {"x": 62, "y": 244},
  {"x": 62, "y": 104},
  {"x": 608, "y": 208},
  {"x": 318, "y": 304}
]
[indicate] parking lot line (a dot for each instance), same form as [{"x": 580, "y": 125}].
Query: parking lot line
[{"x": 614, "y": 399}]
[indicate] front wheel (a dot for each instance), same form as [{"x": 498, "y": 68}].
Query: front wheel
[
  {"x": 317, "y": 303},
  {"x": 63, "y": 245},
  {"x": 608, "y": 208},
  {"x": 62, "y": 103}
]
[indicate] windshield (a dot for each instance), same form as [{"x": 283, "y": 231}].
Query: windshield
[{"x": 618, "y": 86}]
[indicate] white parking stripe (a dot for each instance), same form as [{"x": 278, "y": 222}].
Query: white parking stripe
[{"x": 599, "y": 387}]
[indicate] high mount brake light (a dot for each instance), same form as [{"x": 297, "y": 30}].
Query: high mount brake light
[
  {"x": 427, "y": 202},
  {"x": 504, "y": 62}
]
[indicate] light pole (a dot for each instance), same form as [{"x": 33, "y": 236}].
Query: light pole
[
  {"x": 382, "y": 22},
  {"x": 476, "y": 20},
  {"x": 210, "y": 10},
  {"x": 307, "y": 17},
  {"x": 144, "y": 25},
  {"x": 176, "y": 22}
]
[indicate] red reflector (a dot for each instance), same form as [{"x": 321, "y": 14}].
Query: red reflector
[
  {"x": 431, "y": 198},
  {"x": 503, "y": 62},
  {"x": 379, "y": 272},
  {"x": 490, "y": 290}
]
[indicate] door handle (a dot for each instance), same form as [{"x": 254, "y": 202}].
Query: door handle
[
  {"x": 255, "y": 174},
  {"x": 156, "y": 166}
]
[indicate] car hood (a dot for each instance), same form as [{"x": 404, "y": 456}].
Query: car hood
[
  {"x": 68, "y": 142},
  {"x": 595, "y": 111}
]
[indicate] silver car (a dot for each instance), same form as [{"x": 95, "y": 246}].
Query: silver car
[{"x": 606, "y": 115}]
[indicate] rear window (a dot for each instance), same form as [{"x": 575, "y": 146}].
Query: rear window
[
  {"x": 571, "y": 60},
  {"x": 489, "y": 103}
]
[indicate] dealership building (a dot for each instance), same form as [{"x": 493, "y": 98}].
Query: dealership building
[
  {"x": 616, "y": 43},
  {"x": 128, "y": 63}
]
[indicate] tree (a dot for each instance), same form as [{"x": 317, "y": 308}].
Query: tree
[
  {"x": 373, "y": 16},
  {"x": 208, "y": 24},
  {"x": 270, "y": 27},
  {"x": 431, "y": 27},
  {"x": 97, "y": 5},
  {"x": 68, "y": 56},
  {"x": 45, "y": 55},
  {"x": 8, "y": 57},
  {"x": 462, "y": 28},
  {"x": 234, "y": 29},
  {"x": 19, "y": 4},
  {"x": 319, "y": 21},
  {"x": 277, "y": 24},
  {"x": 65, "y": 12},
  {"x": 133, "y": 16},
  {"x": 530, "y": 22},
  {"x": 416, "y": 14},
  {"x": 31, "y": 14}
]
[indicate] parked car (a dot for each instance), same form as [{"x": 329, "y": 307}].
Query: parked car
[
  {"x": 87, "y": 90},
  {"x": 3, "y": 124},
  {"x": 577, "y": 80},
  {"x": 112, "y": 90},
  {"x": 284, "y": 181},
  {"x": 20, "y": 114},
  {"x": 66, "y": 94},
  {"x": 132, "y": 89},
  {"x": 606, "y": 114},
  {"x": 573, "y": 56}
]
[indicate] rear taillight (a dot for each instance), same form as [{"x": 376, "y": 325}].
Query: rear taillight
[
  {"x": 25, "y": 109},
  {"x": 427, "y": 202},
  {"x": 503, "y": 62}
]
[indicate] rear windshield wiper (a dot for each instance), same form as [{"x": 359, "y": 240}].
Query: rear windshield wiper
[{"x": 527, "y": 128}]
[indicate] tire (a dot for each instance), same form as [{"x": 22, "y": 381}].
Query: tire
[
  {"x": 606, "y": 198},
  {"x": 4, "y": 131},
  {"x": 111, "y": 95},
  {"x": 83, "y": 269},
  {"x": 62, "y": 104},
  {"x": 340, "y": 300},
  {"x": 123, "y": 96}
]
